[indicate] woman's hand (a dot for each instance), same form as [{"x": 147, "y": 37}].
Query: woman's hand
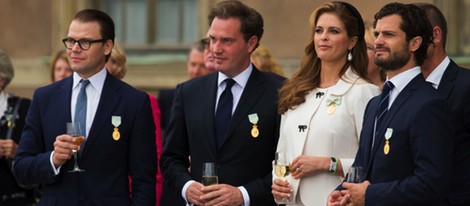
[
  {"x": 281, "y": 189},
  {"x": 303, "y": 166}
]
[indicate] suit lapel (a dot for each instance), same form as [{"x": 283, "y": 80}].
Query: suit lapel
[
  {"x": 367, "y": 133},
  {"x": 252, "y": 92},
  {"x": 446, "y": 85},
  {"x": 63, "y": 98},
  {"x": 209, "y": 91},
  {"x": 305, "y": 113},
  {"x": 109, "y": 99},
  {"x": 404, "y": 95}
]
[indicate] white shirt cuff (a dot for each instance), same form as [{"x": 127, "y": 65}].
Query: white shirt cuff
[
  {"x": 183, "y": 191},
  {"x": 56, "y": 170},
  {"x": 246, "y": 197}
]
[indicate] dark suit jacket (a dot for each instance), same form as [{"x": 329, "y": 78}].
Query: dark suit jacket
[
  {"x": 455, "y": 87},
  {"x": 9, "y": 186},
  {"x": 242, "y": 160},
  {"x": 107, "y": 163},
  {"x": 165, "y": 102},
  {"x": 417, "y": 169}
]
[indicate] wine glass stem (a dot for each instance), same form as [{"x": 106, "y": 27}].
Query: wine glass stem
[{"x": 75, "y": 158}]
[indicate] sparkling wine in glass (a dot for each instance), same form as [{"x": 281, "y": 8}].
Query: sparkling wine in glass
[
  {"x": 281, "y": 165},
  {"x": 282, "y": 170},
  {"x": 354, "y": 175},
  {"x": 74, "y": 130},
  {"x": 209, "y": 174}
]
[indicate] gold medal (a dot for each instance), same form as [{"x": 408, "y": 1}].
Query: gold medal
[
  {"x": 253, "y": 118},
  {"x": 254, "y": 131},
  {"x": 116, "y": 134},
  {"x": 386, "y": 148},
  {"x": 388, "y": 135},
  {"x": 116, "y": 121},
  {"x": 331, "y": 108},
  {"x": 332, "y": 103}
]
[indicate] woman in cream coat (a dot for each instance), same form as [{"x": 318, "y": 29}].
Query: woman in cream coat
[{"x": 322, "y": 107}]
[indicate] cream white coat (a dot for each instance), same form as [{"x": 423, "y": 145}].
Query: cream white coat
[{"x": 329, "y": 134}]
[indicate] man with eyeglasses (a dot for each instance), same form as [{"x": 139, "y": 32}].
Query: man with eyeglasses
[{"x": 117, "y": 125}]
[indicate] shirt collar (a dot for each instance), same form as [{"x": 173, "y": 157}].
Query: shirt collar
[
  {"x": 436, "y": 75},
  {"x": 241, "y": 79},
  {"x": 401, "y": 80},
  {"x": 96, "y": 81}
]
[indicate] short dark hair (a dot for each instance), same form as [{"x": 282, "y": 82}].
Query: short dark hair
[
  {"x": 104, "y": 20},
  {"x": 436, "y": 18},
  {"x": 199, "y": 45},
  {"x": 414, "y": 23},
  {"x": 251, "y": 21}
]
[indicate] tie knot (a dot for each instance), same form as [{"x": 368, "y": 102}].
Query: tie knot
[
  {"x": 84, "y": 82},
  {"x": 388, "y": 86},
  {"x": 229, "y": 83}
]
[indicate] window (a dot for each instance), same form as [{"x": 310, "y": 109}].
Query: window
[
  {"x": 154, "y": 24},
  {"x": 457, "y": 14}
]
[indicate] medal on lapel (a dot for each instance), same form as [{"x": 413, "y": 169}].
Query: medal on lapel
[
  {"x": 331, "y": 104},
  {"x": 331, "y": 108},
  {"x": 254, "y": 120},
  {"x": 116, "y": 121},
  {"x": 388, "y": 135}
]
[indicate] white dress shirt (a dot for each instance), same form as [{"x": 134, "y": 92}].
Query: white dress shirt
[
  {"x": 237, "y": 90},
  {"x": 436, "y": 75},
  {"x": 93, "y": 91}
]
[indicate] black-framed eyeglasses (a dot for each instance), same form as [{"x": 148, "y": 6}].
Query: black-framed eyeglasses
[{"x": 84, "y": 44}]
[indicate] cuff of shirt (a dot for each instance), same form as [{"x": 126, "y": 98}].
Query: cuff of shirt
[
  {"x": 246, "y": 197},
  {"x": 183, "y": 191},
  {"x": 56, "y": 170}
]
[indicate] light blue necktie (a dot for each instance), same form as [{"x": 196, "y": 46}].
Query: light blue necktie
[{"x": 81, "y": 105}]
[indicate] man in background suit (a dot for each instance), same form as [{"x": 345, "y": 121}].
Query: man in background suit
[
  {"x": 453, "y": 83},
  {"x": 408, "y": 156},
  {"x": 119, "y": 131},
  {"x": 243, "y": 154},
  {"x": 195, "y": 67}
]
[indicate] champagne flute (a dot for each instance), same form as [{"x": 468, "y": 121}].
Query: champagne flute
[
  {"x": 209, "y": 174},
  {"x": 281, "y": 165},
  {"x": 354, "y": 175},
  {"x": 281, "y": 170},
  {"x": 74, "y": 130}
]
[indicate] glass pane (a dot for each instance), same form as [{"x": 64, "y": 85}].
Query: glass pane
[
  {"x": 168, "y": 14},
  {"x": 464, "y": 15},
  {"x": 190, "y": 24},
  {"x": 136, "y": 22},
  {"x": 176, "y": 22},
  {"x": 113, "y": 8}
]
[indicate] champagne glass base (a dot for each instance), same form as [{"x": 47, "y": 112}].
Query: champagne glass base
[{"x": 76, "y": 170}]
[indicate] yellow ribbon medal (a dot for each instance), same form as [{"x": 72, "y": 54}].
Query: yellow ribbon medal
[
  {"x": 388, "y": 135},
  {"x": 331, "y": 104},
  {"x": 116, "y": 121},
  {"x": 254, "y": 120}
]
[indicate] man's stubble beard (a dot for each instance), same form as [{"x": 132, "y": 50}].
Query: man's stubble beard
[{"x": 396, "y": 60}]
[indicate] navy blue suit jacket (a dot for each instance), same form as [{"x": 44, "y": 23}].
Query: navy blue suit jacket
[
  {"x": 455, "y": 87},
  {"x": 107, "y": 163},
  {"x": 417, "y": 169},
  {"x": 242, "y": 160}
]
